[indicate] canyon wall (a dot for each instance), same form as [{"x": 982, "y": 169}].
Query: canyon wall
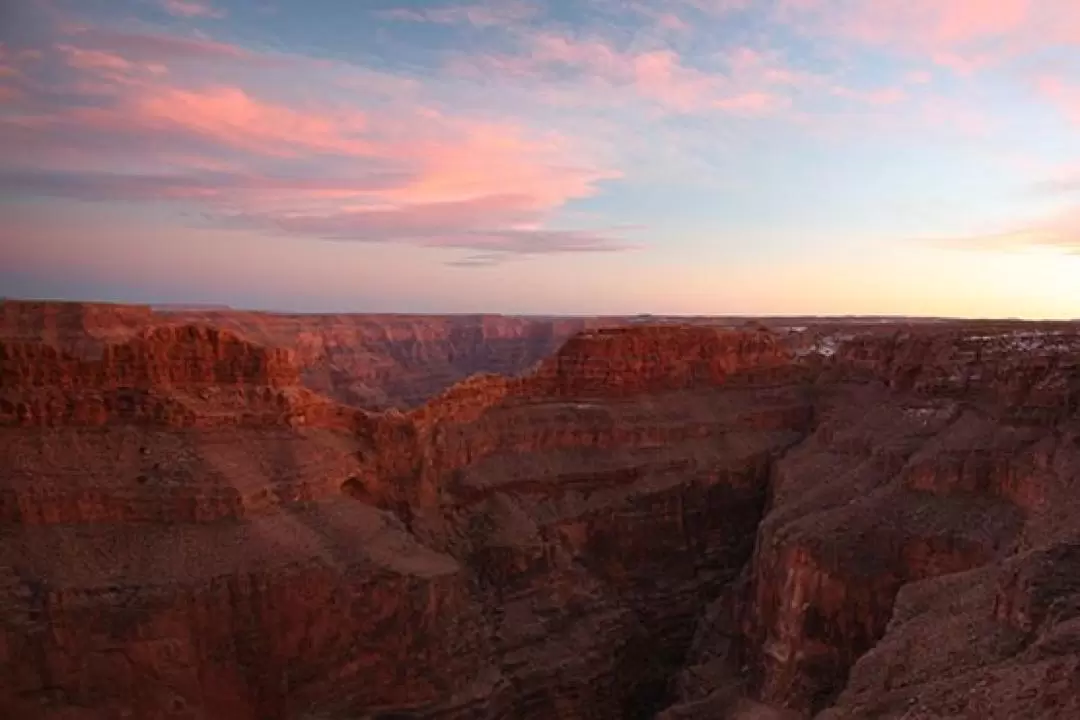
[
  {"x": 382, "y": 361},
  {"x": 366, "y": 361},
  {"x": 681, "y": 522}
]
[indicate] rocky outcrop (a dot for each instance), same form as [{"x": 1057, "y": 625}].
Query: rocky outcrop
[
  {"x": 382, "y": 361},
  {"x": 682, "y": 522},
  {"x": 366, "y": 361},
  {"x": 629, "y": 361},
  {"x": 1026, "y": 374},
  {"x": 174, "y": 375},
  {"x": 929, "y": 460},
  {"x": 184, "y": 355}
]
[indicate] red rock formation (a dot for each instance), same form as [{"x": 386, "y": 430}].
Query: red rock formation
[
  {"x": 936, "y": 460},
  {"x": 379, "y": 361},
  {"x": 739, "y": 523},
  {"x": 370, "y": 361},
  {"x": 627, "y": 361},
  {"x": 180, "y": 375}
]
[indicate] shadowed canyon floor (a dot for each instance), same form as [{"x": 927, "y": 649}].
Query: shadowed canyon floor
[{"x": 209, "y": 515}]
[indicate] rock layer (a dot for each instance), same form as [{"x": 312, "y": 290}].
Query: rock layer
[{"x": 725, "y": 523}]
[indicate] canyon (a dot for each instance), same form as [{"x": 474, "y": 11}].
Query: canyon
[{"x": 219, "y": 514}]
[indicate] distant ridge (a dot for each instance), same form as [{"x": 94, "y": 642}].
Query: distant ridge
[{"x": 188, "y": 307}]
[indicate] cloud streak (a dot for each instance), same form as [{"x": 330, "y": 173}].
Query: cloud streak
[
  {"x": 501, "y": 145},
  {"x": 1058, "y": 233},
  {"x": 491, "y": 14},
  {"x": 962, "y": 35},
  {"x": 192, "y": 9},
  {"x": 746, "y": 83},
  {"x": 151, "y": 46},
  {"x": 410, "y": 174},
  {"x": 1063, "y": 95}
]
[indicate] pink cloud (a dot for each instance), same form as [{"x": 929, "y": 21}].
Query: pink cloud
[
  {"x": 671, "y": 21},
  {"x": 880, "y": 96},
  {"x": 962, "y": 35},
  {"x": 1064, "y": 96},
  {"x": 752, "y": 103},
  {"x": 498, "y": 225},
  {"x": 12, "y": 64},
  {"x": 232, "y": 117},
  {"x": 931, "y": 23},
  {"x": 485, "y": 158},
  {"x": 594, "y": 56},
  {"x": 598, "y": 71},
  {"x": 660, "y": 75},
  {"x": 413, "y": 175},
  {"x": 114, "y": 67},
  {"x": 157, "y": 47},
  {"x": 192, "y": 9},
  {"x": 93, "y": 59}
]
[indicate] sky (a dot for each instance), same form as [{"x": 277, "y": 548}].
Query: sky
[{"x": 760, "y": 157}]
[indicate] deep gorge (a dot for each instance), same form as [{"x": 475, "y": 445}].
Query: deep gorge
[{"x": 669, "y": 521}]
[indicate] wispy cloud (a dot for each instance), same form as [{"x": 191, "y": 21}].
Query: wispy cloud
[
  {"x": 500, "y": 145},
  {"x": 232, "y": 117},
  {"x": 490, "y": 14},
  {"x": 207, "y": 186},
  {"x": 745, "y": 83},
  {"x": 157, "y": 46},
  {"x": 1064, "y": 95},
  {"x": 333, "y": 170},
  {"x": 1064, "y": 181},
  {"x": 962, "y": 35},
  {"x": 192, "y": 9},
  {"x": 879, "y": 96},
  {"x": 478, "y": 260},
  {"x": 1058, "y": 233},
  {"x": 496, "y": 225}
]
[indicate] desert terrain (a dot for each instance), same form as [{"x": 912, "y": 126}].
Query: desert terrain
[{"x": 215, "y": 514}]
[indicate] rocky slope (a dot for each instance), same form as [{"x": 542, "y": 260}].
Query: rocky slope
[{"x": 681, "y": 522}]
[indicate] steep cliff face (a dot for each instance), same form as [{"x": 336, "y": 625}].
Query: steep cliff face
[
  {"x": 176, "y": 544},
  {"x": 172, "y": 375},
  {"x": 934, "y": 453},
  {"x": 674, "y": 521},
  {"x": 492, "y": 554},
  {"x": 600, "y": 513}
]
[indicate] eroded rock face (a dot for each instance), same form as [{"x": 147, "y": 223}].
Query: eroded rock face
[
  {"x": 366, "y": 361},
  {"x": 515, "y": 549},
  {"x": 934, "y": 454},
  {"x": 683, "y": 522},
  {"x": 382, "y": 361}
]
